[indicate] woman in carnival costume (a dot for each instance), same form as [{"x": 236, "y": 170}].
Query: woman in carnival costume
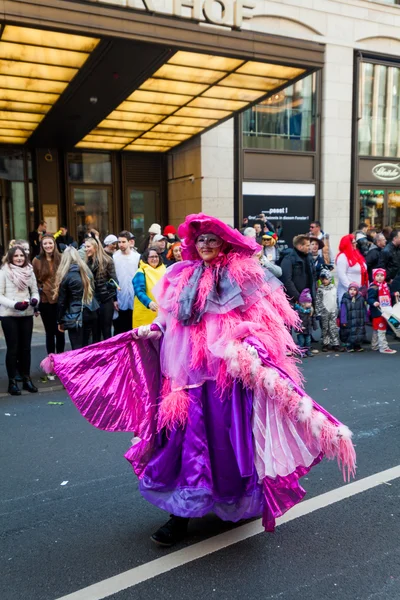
[{"x": 222, "y": 424}]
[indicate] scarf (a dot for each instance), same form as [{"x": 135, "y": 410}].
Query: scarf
[
  {"x": 20, "y": 276},
  {"x": 383, "y": 293}
]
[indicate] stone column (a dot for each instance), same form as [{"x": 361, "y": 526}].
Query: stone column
[
  {"x": 337, "y": 100},
  {"x": 217, "y": 170}
]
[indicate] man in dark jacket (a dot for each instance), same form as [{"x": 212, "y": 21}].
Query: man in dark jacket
[
  {"x": 298, "y": 270},
  {"x": 390, "y": 256},
  {"x": 63, "y": 238},
  {"x": 374, "y": 254},
  {"x": 363, "y": 244}
]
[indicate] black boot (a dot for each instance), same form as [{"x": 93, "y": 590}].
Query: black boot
[
  {"x": 172, "y": 532},
  {"x": 28, "y": 385},
  {"x": 13, "y": 389}
]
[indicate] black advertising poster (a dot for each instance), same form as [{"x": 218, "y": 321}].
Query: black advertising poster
[{"x": 293, "y": 213}]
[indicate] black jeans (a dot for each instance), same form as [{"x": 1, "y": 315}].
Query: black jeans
[
  {"x": 55, "y": 340},
  {"x": 105, "y": 320},
  {"x": 124, "y": 321},
  {"x": 18, "y": 335},
  {"x": 80, "y": 336}
]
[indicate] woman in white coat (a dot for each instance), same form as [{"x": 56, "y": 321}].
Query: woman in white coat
[
  {"x": 18, "y": 298},
  {"x": 350, "y": 266}
]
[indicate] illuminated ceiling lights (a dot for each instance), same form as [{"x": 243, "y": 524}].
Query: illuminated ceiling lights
[
  {"x": 35, "y": 68},
  {"x": 187, "y": 95}
]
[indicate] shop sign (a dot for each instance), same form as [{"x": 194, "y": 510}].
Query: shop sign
[
  {"x": 290, "y": 215},
  {"x": 386, "y": 171},
  {"x": 228, "y": 13}
]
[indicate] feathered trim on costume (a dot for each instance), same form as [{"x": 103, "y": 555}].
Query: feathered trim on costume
[
  {"x": 173, "y": 409},
  {"x": 47, "y": 365},
  {"x": 333, "y": 438}
]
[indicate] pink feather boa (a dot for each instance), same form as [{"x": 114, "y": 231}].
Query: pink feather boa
[{"x": 266, "y": 315}]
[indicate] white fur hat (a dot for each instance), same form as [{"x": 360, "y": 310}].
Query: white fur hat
[
  {"x": 155, "y": 228},
  {"x": 250, "y": 232}
]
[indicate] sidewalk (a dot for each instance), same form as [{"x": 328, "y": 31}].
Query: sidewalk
[{"x": 38, "y": 354}]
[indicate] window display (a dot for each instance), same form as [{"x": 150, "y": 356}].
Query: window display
[{"x": 285, "y": 121}]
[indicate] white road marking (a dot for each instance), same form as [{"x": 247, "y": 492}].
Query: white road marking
[{"x": 128, "y": 579}]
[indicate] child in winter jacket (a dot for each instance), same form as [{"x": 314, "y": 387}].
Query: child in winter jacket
[
  {"x": 306, "y": 313},
  {"x": 378, "y": 299},
  {"x": 352, "y": 318},
  {"x": 327, "y": 310}
]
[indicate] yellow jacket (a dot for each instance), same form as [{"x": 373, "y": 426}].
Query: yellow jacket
[{"x": 144, "y": 281}]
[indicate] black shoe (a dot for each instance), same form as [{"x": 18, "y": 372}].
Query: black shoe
[
  {"x": 13, "y": 389},
  {"x": 172, "y": 532},
  {"x": 28, "y": 385},
  {"x": 18, "y": 377},
  {"x": 325, "y": 348}
]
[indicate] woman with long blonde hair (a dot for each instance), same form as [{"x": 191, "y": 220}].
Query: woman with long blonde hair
[
  {"x": 105, "y": 284},
  {"x": 77, "y": 310}
]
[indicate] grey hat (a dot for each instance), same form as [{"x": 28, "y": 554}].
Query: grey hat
[
  {"x": 158, "y": 238},
  {"x": 110, "y": 239}
]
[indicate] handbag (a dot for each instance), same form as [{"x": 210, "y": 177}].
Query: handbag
[{"x": 74, "y": 321}]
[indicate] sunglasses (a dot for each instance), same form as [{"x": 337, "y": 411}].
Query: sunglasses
[{"x": 210, "y": 241}]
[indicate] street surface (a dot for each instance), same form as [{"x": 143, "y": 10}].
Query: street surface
[{"x": 72, "y": 516}]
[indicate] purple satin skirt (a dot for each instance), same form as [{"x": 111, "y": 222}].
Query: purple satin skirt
[{"x": 208, "y": 466}]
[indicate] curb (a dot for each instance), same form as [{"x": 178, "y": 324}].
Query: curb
[{"x": 41, "y": 390}]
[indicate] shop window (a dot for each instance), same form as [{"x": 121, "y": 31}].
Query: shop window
[
  {"x": 86, "y": 167},
  {"x": 16, "y": 195},
  {"x": 285, "y": 121},
  {"x": 379, "y": 109},
  {"x": 372, "y": 207},
  {"x": 394, "y": 208}
]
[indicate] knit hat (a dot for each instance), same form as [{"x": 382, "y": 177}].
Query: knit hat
[
  {"x": 155, "y": 228},
  {"x": 250, "y": 232},
  {"x": 325, "y": 274},
  {"x": 169, "y": 229},
  {"x": 110, "y": 239},
  {"x": 305, "y": 296},
  {"x": 375, "y": 272},
  {"x": 354, "y": 285}
]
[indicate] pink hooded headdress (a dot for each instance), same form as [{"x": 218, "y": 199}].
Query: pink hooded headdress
[{"x": 195, "y": 225}]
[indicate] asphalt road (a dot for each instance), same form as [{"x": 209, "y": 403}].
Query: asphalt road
[{"x": 57, "y": 539}]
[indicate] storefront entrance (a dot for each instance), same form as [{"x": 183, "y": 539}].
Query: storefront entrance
[
  {"x": 91, "y": 209},
  {"x": 106, "y": 91}
]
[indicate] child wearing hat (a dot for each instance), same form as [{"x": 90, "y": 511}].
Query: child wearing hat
[
  {"x": 379, "y": 299},
  {"x": 305, "y": 311},
  {"x": 327, "y": 310},
  {"x": 353, "y": 316}
]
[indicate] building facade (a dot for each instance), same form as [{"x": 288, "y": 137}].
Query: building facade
[{"x": 115, "y": 114}]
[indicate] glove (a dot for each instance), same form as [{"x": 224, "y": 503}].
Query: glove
[
  {"x": 34, "y": 301},
  {"x": 21, "y": 305},
  {"x": 146, "y": 331}
]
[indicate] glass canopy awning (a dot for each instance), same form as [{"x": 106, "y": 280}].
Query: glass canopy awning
[
  {"x": 185, "y": 96},
  {"x": 189, "y": 94},
  {"x": 36, "y": 66}
]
